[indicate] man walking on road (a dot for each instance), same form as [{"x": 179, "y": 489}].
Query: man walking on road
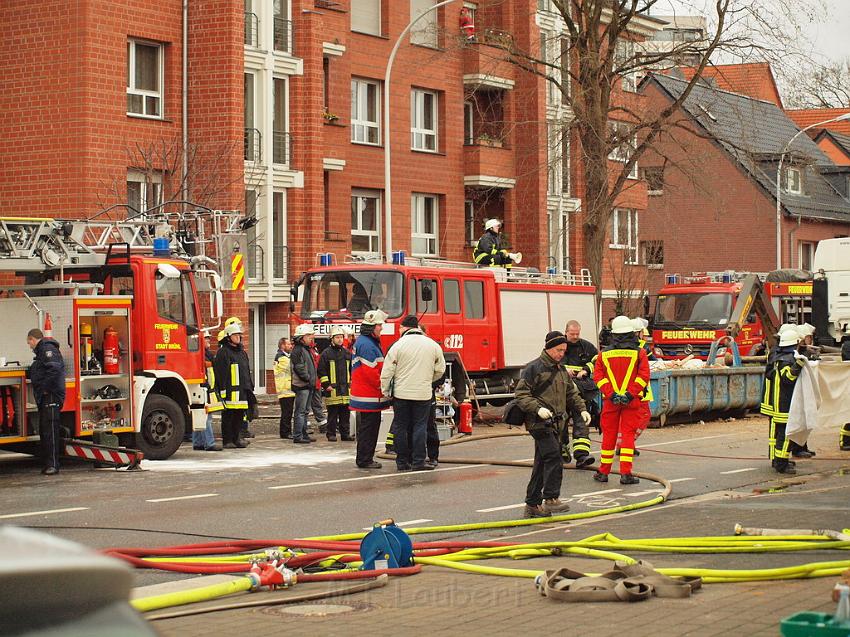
[
  {"x": 546, "y": 393},
  {"x": 411, "y": 367},
  {"x": 366, "y": 397}
]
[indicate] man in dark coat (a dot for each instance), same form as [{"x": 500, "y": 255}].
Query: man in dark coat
[{"x": 47, "y": 374}]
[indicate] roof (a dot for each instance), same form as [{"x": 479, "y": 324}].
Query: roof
[
  {"x": 842, "y": 142},
  {"x": 810, "y": 116},
  {"x": 755, "y": 133},
  {"x": 754, "y": 80}
]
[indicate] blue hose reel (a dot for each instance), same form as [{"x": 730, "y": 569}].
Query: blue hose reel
[{"x": 385, "y": 546}]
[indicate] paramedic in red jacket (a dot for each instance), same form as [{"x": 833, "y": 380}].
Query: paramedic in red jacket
[
  {"x": 622, "y": 375},
  {"x": 366, "y": 397}
]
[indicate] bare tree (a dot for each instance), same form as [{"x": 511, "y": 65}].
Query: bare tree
[{"x": 819, "y": 86}]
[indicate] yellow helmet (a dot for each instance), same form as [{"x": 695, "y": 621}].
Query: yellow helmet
[
  {"x": 220, "y": 336},
  {"x": 231, "y": 320}
]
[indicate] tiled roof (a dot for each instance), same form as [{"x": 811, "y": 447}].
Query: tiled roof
[
  {"x": 841, "y": 141},
  {"x": 754, "y": 80},
  {"x": 755, "y": 133},
  {"x": 809, "y": 116}
]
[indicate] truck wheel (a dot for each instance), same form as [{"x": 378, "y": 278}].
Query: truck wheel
[{"x": 162, "y": 428}]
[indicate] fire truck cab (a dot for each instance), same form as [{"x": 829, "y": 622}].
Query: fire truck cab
[{"x": 489, "y": 322}]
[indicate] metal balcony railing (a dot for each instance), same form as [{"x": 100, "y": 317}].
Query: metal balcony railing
[
  {"x": 254, "y": 262},
  {"x": 252, "y": 29},
  {"x": 253, "y": 145},
  {"x": 283, "y": 35},
  {"x": 281, "y": 147},
  {"x": 280, "y": 262}
]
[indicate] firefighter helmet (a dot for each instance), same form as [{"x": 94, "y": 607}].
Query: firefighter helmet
[
  {"x": 790, "y": 337},
  {"x": 231, "y": 320},
  {"x": 220, "y": 336},
  {"x": 305, "y": 329},
  {"x": 337, "y": 330},
  {"x": 375, "y": 317},
  {"x": 622, "y": 325},
  {"x": 492, "y": 223},
  {"x": 233, "y": 328}
]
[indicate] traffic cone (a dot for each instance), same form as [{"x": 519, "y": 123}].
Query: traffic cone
[{"x": 48, "y": 326}]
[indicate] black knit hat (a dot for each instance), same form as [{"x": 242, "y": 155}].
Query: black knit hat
[
  {"x": 553, "y": 339},
  {"x": 409, "y": 321}
]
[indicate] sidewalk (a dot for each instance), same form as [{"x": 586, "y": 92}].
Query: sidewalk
[{"x": 455, "y": 602}]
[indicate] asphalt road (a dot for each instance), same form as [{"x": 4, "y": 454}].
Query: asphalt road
[{"x": 275, "y": 489}]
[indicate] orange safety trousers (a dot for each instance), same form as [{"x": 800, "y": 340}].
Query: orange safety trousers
[{"x": 621, "y": 421}]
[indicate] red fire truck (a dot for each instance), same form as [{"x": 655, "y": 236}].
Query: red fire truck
[
  {"x": 127, "y": 321},
  {"x": 489, "y": 321}
]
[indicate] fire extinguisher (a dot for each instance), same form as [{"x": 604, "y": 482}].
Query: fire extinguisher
[
  {"x": 110, "y": 351},
  {"x": 464, "y": 425}
]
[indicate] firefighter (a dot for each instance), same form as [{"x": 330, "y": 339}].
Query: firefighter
[
  {"x": 641, "y": 326},
  {"x": 844, "y": 436},
  {"x": 335, "y": 377},
  {"x": 622, "y": 375},
  {"x": 283, "y": 387},
  {"x": 488, "y": 249},
  {"x": 233, "y": 384},
  {"x": 781, "y": 373},
  {"x": 205, "y": 440},
  {"x": 578, "y": 360},
  {"x": 366, "y": 397},
  {"x": 47, "y": 374}
]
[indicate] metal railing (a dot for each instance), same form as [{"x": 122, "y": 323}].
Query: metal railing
[
  {"x": 280, "y": 262},
  {"x": 253, "y": 145},
  {"x": 283, "y": 35},
  {"x": 281, "y": 147},
  {"x": 252, "y": 29},
  {"x": 255, "y": 262}
]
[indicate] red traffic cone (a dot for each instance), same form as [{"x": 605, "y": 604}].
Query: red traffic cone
[{"x": 48, "y": 326}]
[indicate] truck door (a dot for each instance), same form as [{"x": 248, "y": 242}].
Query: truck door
[
  {"x": 453, "y": 326},
  {"x": 479, "y": 315},
  {"x": 428, "y": 312}
]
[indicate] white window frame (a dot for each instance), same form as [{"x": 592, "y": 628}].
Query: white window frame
[
  {"x": 131, "y": 79},
  {"x": 360, "y": 127},
  {"x": 793, "y": 186},
  {"x": 625, "y": 51},
  {"x": 149, "y": 181},
  {"x": 418, "y": 212},
  {"x": 421, "y": 138},
  {"x": 623, "y": 152},
  {"x": 373, "y": 235},
  {"x": 628, "y": 243}
]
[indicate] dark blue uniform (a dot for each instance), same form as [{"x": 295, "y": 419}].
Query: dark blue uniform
[{"x": 47, "y": 374}]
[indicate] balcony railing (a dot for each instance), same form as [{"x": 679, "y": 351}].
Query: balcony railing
[
  {"x": 280, "y": 262},
  {"x": 281, "y": 147},
  {"x": 253, "y": 144},
  {"x": 252, "y": 29},
  {"x": 283, "y": 35},
  {"x": 256, "y": 262}
]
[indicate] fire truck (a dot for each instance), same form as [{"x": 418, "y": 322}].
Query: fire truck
[
  {"x": 122, "y": 300},
  {"x": 490, "y": 321}
]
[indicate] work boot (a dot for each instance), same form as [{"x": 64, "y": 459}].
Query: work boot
[
  {"x": 433, "y": 463},
  {"x": 404, "y": 468},
  {"x": 248, "y": 434},
  {"x": 844, "y": 448},
  {"x": 536, "y": 511},
  {"x": 783, "y": 466},
  {"x": 584, "y": 461},
  {"x": 600, "y": 477},
  {"x": 628, "y": 478},
  {"x": 554, "y": 505},
  {"x": 345, "y": 438},
  {"x": 323, "y": 426},
  {"x": 423, "y": 467},
  {"x": 370, "y": 465},
  {"x": 331, "y": 438},
  {"x": 302, "y": 441},
  {"x": 240, "y": 444},
  {"x": 214, "y": 447},
  {"x": 49, "y": 471}
]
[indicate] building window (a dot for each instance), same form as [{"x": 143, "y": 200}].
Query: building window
[
  {"x": 424, "y": 212},
  {"x": 469, "y": 217},
  {"x": 624, "y": 142},
  {"x": 253, "y": 145},
  {"x": 793, "y": 180},
  {"x": 144, "y": 78},
  {"x": 624, "y": 232},
  {"x": 565, "y": 161},
  {"x": 468, "y": 129},
  {"x": 144, "y": 190},
  {"x": 365, "y": 217},
  {"x": 624, "y": 59},
  {"x": 366, "y": 16},
  {"x": 424, "y": 32},
  {"x": 365, "y": 112},
  {"x": 279, "y": 235},
  {"x": 255, "y": 254},
  {"x": 654, "y": 176},
  {"x": 653, "y": 254},
  {"x": 280, "y": 134},
  {"x": 807, "y": 255},
  {"x": 423, "y": 120}
]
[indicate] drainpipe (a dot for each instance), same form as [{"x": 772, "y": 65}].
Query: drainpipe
[{"x": 184, "y": 189}]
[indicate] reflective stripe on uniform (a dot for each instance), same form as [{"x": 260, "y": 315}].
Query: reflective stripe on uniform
[
  {"x": 581, "y": 444},
  {"x": 607, "y": 456},
  {"x": 632, "y": 355}
]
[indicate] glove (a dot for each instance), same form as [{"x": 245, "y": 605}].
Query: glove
[
  {"x": 544, "y": 414},
  {"x": 627, "y": 398},
  {"x": 516, "y": 257},
  {"x": 586, "y": 417}
]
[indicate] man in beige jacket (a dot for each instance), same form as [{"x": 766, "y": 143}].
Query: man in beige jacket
[{"x": 411, "y": 366}]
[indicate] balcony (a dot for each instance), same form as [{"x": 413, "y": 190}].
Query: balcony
[
  {"x": 283, "y": 35},
  {"x": 253, "y": 145},
  {"x": 281, "y": 147},
  {"x": 261, "y": 261},
  {"x": 252, "y": 29},
  {"x": 485, "y": 66},
  {"x": 488, "y": 162}
]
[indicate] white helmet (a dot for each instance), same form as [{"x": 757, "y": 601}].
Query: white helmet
[
  {"x": 337, "y": 330},
  {"x": 233, "y": 328},
  {"x": 806, "y": 330},
  {"x": 492, "y": 223},
  {"x": 622, "y": 325},
  {"x": 304, "y": 329},
  {"x": 789, "y": 336},
  {"x": 785, "y": 327},
  {"x": 375, "y": 317}
]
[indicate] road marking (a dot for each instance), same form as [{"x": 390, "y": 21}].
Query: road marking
[
  {"x": 503, "y": 508},
  {"x": 408, "y": 523},
  {"x": 726, "y": 473},
  {"x": 378, "y": 477},
  {"x": 23, "y": 515},
  {"x": 681, "y": 479},
  {"x": 641, "y": 493},
  {"x": 676, "y": 442},
  {"x": 184, "y": 497},
  {"x": 581, "y": 495}
]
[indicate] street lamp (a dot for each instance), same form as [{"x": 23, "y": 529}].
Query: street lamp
[
  {"x": 840, "y": 118},
  {"x": 388, "y": 198}
]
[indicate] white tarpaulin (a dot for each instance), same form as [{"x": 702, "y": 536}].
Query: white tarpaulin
[
  {"x": 805, "y": 403},
  {"x": 821, "y": 398}
]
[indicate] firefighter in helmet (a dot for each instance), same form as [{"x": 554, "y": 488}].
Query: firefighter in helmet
[
  {"x": 233, "y": 383},
  {"x": 334, "y": 371},
  {"x": 488, "y": 249}
]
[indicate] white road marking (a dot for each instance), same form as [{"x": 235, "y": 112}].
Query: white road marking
[
  {"x": 408, "y": 523},
  {"x": 641, "y": 493},
  {"x": 502, "y": 508},
  {"x": 681, "y": 479},
  {"x": 185, "y": 497},
  {"x": 676, "y": 442},
  {"x": 726, "y": 473},
  {"x": 581, "y": 495},
  {"x": 378, "y": 477},
  {"x": 23, "y": 515}
]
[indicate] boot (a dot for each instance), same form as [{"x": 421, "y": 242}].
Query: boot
[
  {"x": 584, "y": 461},
  {"x": 536, "y": 511},
  {"x": 554, "y": 505},
  {"x": 600, "y": 477},
  {"x": 783, "y": 466},
  {"x": 628, "y": 478}
]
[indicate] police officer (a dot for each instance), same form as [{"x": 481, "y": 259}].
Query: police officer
[
  {"x": 335, "y": 378},
  {"x": 233, "y": 384},
  {"x": 578, "y": 360},
  {"x": 781, "y": 373},
  {"x": 488, "y": 249},
  {"x": 47, "y": 374}
]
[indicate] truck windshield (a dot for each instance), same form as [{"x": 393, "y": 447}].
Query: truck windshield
[
  {"x": 694, "y": 309},
  {"x": 352, "y": 293}
]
